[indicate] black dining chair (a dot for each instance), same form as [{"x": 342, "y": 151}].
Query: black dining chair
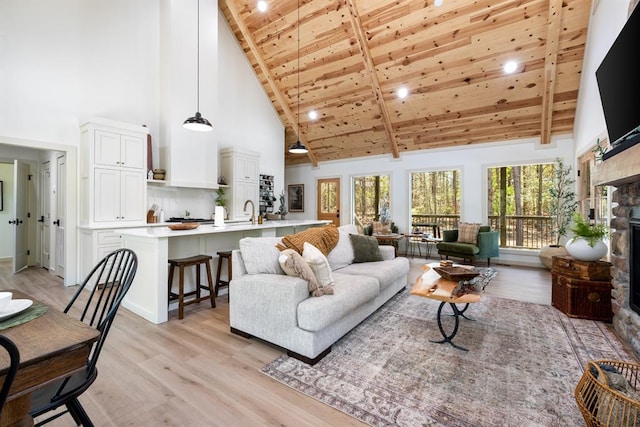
[
  {"x": 14, "y": 362},
  {"x": 101, "y": 292}
]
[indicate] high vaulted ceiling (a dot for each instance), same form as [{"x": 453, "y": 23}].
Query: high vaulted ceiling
[{"x": 352, "y": 56}]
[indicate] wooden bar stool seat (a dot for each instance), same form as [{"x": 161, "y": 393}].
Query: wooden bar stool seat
[
  {"x": 223, "y": 255},
  {"x": 181, "y": 263}
]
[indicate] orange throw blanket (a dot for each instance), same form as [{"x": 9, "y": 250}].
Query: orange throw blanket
[{"x": 324, "y": 238}]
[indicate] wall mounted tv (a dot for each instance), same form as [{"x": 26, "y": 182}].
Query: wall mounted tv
[{"x": 619, "y": 84}]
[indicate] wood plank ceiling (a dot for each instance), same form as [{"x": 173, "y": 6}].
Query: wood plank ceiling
[{"x": 354, "y": 55}]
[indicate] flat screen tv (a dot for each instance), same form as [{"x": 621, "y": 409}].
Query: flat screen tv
[{"x": 619, "y": 84}]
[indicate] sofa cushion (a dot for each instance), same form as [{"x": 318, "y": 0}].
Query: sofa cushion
[
  {"x": 318, "y": 263},
  {"x": 342, "y": 254},
  {"x": 260, "y": 255},
  {"x": 365, "y": 248},
  {"x": 324, "y": 238},
  {"x": 294, "y": 265},
  {"x": 460, "y": 248},
  {"x": 468, "y": 232},
  {"x": 350, "y": 292},
  {"x": 385, "y": 272}
]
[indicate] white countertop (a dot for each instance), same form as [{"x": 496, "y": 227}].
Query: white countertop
[{"x": 161, "y": 230}]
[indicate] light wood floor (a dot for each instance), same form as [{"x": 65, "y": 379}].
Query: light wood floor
[{"x": 194, "y": 372}]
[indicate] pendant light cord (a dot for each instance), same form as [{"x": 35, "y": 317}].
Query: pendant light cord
[
  {"x": 198, "y": 60},
  {"x": 298, "y": 70}
]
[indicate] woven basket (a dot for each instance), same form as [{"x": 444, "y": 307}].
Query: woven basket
[{"x": 600, "y": 404}]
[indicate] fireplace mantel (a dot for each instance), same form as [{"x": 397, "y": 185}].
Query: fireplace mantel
[{"x": 623, "y": 168}]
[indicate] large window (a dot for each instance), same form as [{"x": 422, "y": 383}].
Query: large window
[
  {"x": 369, "y": 195},
  {"x": 435, "y": 198},
  {"x": 518, "y": 200}
]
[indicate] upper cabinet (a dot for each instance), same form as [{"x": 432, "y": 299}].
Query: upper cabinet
[
  {"x": 240, "y": 169},
  {"x": 112, "y": 173}
]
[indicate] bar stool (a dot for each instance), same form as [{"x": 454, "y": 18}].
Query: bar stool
[
  {"x": 223, "y": 255},
  {"x": 181, "y": 263}
]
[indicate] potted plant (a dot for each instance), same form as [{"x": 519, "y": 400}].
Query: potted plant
[
  {"x": 221, "y": 200},
  {"x": 282, "y": 210},
  {"x": 587, "y": 243},
  {"x": 562, "y": 205}
]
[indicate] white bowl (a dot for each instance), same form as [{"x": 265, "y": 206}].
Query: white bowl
[{"x": 5, "y": 299}]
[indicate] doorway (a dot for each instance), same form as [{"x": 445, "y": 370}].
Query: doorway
[{"x": 328, "y": 191}]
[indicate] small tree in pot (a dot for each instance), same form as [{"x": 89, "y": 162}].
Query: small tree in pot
[{"x": 562, "y": 205}]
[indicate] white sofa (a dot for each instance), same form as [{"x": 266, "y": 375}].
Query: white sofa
[{"x": 267, "y": 304}]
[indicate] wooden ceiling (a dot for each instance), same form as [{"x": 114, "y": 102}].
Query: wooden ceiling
[{"x": 354, "y": 55}]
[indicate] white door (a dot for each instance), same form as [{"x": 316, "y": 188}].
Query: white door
[
  {"x": 45, "y": 215},
  {"x": 61, "y": 184},
  {"x": 20, "y": 235}
]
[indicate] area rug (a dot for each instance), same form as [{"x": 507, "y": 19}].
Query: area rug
[{"x": 523, "y": 364}]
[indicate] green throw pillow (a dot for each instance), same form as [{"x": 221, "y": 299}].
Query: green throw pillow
[{"x": 365, "y": 248}]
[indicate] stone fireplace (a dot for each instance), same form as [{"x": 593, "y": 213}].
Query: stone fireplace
[{"x": 622, "y": 171}]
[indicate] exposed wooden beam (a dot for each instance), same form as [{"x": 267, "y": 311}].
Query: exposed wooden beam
[
  {"x": 550, "y": 69},
  {"x": 371, "y": 71},
  {"x": 253, "y": 47}
]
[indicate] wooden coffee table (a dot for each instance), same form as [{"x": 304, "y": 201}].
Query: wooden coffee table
[{"x": 431, "y": 285}]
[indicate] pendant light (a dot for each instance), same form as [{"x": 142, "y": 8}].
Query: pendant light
[
  {"x": 298, "y": 148},
  {"x": 197, "y": 122}
]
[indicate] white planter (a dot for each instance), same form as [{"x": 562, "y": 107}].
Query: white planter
[{"x": 579, "y": 249}]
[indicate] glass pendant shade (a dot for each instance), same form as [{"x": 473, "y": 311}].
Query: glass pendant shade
[
  {"x": 197, "y": 123},
  {"x": 298, "y": 148}
]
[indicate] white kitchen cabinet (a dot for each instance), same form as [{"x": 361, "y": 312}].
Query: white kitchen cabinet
[
  {"x": 95, "y": 244},
  {"x": 240, "y": 169},
  {"x": 113, "y": 174}
]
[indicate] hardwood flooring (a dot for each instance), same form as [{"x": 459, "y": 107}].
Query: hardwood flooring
[{"x": 194, "y": 372}]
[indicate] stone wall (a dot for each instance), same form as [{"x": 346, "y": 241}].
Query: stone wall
[{"x": 626, "y": 322}]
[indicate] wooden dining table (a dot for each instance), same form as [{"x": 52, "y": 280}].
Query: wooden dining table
[{"x": 52, "y": 346}]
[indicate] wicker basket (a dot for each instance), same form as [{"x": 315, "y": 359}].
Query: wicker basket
[{"x": 602, "y": 405}]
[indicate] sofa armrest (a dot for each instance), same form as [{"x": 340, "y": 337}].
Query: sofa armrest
[
  {"x": 260, "y": 304},
  {"x": 450, "y": 235},
  {"x": 387, "y": 252},
  {"x": 488, "y": 243}
]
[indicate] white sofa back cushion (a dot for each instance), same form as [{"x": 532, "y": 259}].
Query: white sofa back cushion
[
  {"x": 260, "y": 255},
  {"x": 342, "y": 254}
]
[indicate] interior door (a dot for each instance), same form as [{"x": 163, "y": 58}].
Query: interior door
[
  {"x": 45, "y": 215},
  {"x": 19, "y": 221},
  {"x": 328, "y": 191},
  {"x": 61, "y": 184}
]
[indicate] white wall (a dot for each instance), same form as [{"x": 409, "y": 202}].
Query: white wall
[
  {"x": 473, "y": 161},
  {"x": 607, "y": 19}
]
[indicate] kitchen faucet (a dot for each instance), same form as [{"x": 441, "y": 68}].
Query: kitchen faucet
[{"x": 253, "y": 210}]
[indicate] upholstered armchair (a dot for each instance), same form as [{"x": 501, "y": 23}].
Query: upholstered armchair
[{"x": 454, "y": 244}]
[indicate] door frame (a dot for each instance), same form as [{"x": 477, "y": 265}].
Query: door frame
[
  {"x": 11, "y": 148},
  {"x": 319, "y": 181}
]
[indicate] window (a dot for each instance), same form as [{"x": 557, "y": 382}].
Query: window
[
  {"x": 369, "y": 195},
  {"x": 435, "y": 198},
  {"x": 518, "y": 199}
]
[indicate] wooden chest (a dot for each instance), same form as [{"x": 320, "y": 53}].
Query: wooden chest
[
  {"x": 585, "y": 270},
  {"x": 583, "y": 299}
]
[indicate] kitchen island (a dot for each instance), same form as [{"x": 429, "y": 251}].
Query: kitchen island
[{"x": 154, "y": 246}]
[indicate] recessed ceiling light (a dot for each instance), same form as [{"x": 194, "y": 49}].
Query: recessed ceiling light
[
  {"x": 313, "y": 114},
  {"x": 438, "y": 3},
  {"x": 262, "y": 5},
  {"x": 510, "y": 67},
  {"x": 403, "y": 92}
]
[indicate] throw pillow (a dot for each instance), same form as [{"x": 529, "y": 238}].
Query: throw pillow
[
  {"x": 319, "y": 264},
  {"x": 365, "y": 248},
  {"x": 294, "y": 265},
  {"x": 468, "y": 232}
]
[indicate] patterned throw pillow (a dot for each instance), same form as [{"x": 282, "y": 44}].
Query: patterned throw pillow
[
  {"x": 294, "y": 265},
  {"x": 468, "y": 232},
  {"x": 319, "y": 265}
]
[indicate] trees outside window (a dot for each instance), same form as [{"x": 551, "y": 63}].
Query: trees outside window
[
  {"x": 435, "y": 198},
  {"x": 519, "y": 204},
  {"x": 369, "y": 192}
]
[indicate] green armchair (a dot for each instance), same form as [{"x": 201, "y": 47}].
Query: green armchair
[{"x": 487, "y": 245}]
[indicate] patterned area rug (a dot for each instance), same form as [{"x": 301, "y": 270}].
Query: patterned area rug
[{"x": 523, "y": 364}]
